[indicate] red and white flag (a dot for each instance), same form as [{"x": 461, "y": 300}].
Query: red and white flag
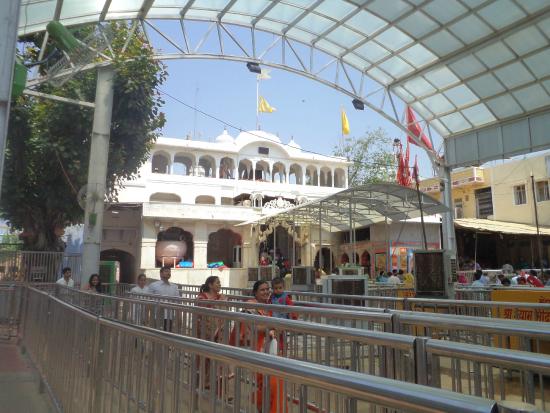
[{"x": 416, "y": 130}]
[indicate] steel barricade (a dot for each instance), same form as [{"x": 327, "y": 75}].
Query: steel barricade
[
  {"x": 98, "y": 365},
  {"x": 368, "y": 351},
  {"x": 492, "y": 373},
  {"x": 10, "y": 309}
]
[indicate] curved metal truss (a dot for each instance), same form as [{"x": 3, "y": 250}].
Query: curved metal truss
[{"x": 222, "y": 41}]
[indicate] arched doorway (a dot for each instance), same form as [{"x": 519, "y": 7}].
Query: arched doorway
[
  {"x": 174, "y": 245},
  {"x": 279, "y": 247},
  {"x": 221, "y": 246},
  {"x": 328, "y": 259},
  {"x": 127, "y": 263},
  {"x": 344, "y": 259},
  {"x": 365, "y": 261}
]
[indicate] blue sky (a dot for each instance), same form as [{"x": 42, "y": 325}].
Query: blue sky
[{"x": 307, "y": 110}]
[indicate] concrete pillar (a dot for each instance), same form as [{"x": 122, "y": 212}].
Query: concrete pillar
[
  {"x": 171, "y": 165},
  {"x": 217, "y": 167},
  {"x": 304, "y": 171},
  {"x": 318, "y": 176},
  {"x": 9, "y": 16},
  {"x": 250, "y": 249},
  {"x": 200, "y": 243},
  {"x": 333, "y": 178},
  {"x": 97, "y": 172},
  {"x": 148, "y": 244}
]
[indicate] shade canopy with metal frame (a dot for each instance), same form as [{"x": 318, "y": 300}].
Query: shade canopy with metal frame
[
  {"x": 474, "y": 70},
  {"x": 357, "y": 207}
]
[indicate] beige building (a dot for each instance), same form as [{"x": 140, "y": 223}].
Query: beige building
[{"x": 494, "y": 209}]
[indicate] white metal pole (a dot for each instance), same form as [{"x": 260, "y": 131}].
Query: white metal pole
[
  {"x": 97, "y": 172},
  {"x": 9, "y": 18}
]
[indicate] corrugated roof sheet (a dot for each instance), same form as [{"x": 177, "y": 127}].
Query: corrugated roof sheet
[{"x": 500, "y": 226}]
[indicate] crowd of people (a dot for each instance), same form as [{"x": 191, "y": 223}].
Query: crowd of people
[
  {"x": 395, "y": 277},
  {"x": 510, "y": 278}
]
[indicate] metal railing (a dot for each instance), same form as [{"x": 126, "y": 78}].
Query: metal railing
[
  {"x": 496, "y": 374},
  {"x": 519, "y": 334},
  {"x": 505, "y": 373},
  {"x": 10, "y": 309},
  {"x": 362, "y": 350},
  {"x": 477, "y": 308},
  {"x": 98, "y": 365},
  {"x": 37, "y": 266}
]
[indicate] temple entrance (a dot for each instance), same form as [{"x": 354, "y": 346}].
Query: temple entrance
[
  {"x": 328, "y": 260},
  {"x": 278, "y": 246},
  {"x": 126, "y": 261}
]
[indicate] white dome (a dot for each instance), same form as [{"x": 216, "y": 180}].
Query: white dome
[
  {"x": 293, "y": 144},
  {"x": 245, "y": 138},
  {"x": 225, "y": 137}
]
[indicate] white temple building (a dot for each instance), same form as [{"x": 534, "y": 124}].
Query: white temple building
[{"x": 183, "y": 208}]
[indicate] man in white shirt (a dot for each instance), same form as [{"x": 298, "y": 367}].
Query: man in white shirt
[
  {"x": 141, "y": 287},
  {"x": 165, "y": 288},
  {"x": 66, "y": 280},
  {"x": 393, "y": 279}
]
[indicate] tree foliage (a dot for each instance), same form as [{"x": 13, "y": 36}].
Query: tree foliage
[
  {"x": 372, "y": 160},
  {"x": 48, "y": 144}
]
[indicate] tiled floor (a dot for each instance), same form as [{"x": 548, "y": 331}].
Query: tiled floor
[{"x": 19, "y": 390}]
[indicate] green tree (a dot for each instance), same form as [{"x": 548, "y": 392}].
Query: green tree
[
  {"x": 49, "y": 142},
  {"x": 372, "y": 161}
]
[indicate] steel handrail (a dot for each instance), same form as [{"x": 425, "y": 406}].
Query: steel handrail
[
  {"x": 515, "y": 359},
  {"x": 532, "y": 329},
  {"x": 365, "y": 336},
  {"x": 387, "y": 392}
]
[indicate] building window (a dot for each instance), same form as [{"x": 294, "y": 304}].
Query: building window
[
  {"x": 484, "y": 202},
  {"x": 520, "y": 197},
  {"x": 458, "y": 208},
  {"x": 543, "y": 194}
]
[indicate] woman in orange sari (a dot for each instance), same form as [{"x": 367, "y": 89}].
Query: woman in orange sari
[{"x": 261, "y": 293}]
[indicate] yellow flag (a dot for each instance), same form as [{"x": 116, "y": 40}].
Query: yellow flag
[
  {"x": 345, "y": 123},
  {"x": 263, "y": 106}
]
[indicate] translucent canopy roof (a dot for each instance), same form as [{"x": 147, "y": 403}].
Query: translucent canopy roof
[
  {"x": 358, "y": 207},
  {"x": 461, "y": 64}
]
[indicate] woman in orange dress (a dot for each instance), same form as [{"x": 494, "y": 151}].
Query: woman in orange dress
[{"x": 261, "y": 293}]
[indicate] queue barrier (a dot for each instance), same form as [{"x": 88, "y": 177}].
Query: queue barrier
[
  {"x": 522, "y": 335},
  {"x": 10, "y": 309},
  {"x": 90, "y": 363},
  {"x": 456, "y": 366},
  {"x": 514, "y": 310}
]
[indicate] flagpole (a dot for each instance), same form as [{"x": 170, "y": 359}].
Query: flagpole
[
  {"x": 424, "y": 239},
  {"x": 257, "y": 102}
]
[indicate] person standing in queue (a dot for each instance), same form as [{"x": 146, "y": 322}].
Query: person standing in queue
[
  {"x": 94, "y": 284},
  {"x": 277, "y": 398},
  {"x": 165, "y": 288},
  {"x": 209, "y": 328},
  {"x": 141, "y": 287},
  {"x": 66, "y": 279}
]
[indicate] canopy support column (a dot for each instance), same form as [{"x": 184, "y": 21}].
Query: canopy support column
[
  {"x": 447, "y": 223},
  {"x": 97, "y": 172},
  {"x": 9, "y": 18}
]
